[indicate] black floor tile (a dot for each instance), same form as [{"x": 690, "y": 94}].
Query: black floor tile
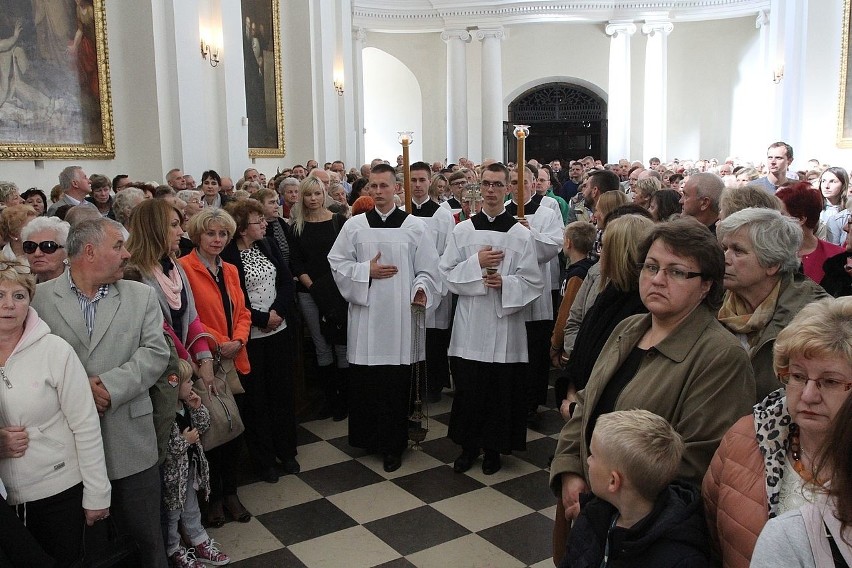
[
  {"x": 306, "y": 521},
  {"x": 437, "y": 483},
  {"x": 528, "y": 538},
  {"x": 305, "y": 436},
  {"x": 442, "y": 449},
  {"x": 442, "y": 418},
  {"x": 340, "y": 477},
  {"x": 550, "y": 422},
  {"x": 539, "y": 452},
  {"x": 342, "y": 444},
  {"x": 532, "y": 490},
  {"x": 281, "y": 558},
  {"x": 415, "y": 530},
  {"x": 398, "y": 563}
]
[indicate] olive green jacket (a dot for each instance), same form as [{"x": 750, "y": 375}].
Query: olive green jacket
[{"x": 698, "y": 378}]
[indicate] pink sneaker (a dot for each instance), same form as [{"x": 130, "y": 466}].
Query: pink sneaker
[
  {"x": 184, "y": 558},
  {"x": 208, "y": 552}
]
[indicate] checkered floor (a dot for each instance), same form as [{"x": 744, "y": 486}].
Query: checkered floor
[{"x": 343, "y": 510}]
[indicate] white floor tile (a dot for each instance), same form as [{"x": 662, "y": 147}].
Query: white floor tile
[
  {"x": 355, "y": 547},
  {"x": 481, "y": 509},
  {"x": 261, "y": 497},
  {"x": 471, "y": 551},
  {"x": 320, "y": 454},
  {"x": 412, "y": 462},
  {"x": 327, "y": 429},
  {"x": 512, "y": 467},
  {"x": 244, "y": 540},
  {"x": 375, "y": 501}
]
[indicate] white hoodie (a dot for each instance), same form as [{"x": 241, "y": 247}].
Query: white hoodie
[{"x": 50, "y": 396}]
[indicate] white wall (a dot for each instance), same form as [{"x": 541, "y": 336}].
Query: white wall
[{"x": 392, "y": 103}]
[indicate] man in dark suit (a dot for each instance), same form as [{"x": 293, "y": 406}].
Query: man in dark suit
[{"x": 116, "y": 328}]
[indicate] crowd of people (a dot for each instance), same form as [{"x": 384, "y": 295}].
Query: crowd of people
[{"x": 698, "y": 313}]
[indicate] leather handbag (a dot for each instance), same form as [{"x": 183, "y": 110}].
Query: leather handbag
[
  {"x": 225, "y": 420},
  {"x": 114, "y": 551}
]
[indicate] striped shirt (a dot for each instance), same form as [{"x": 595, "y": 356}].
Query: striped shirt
[{"x": 89, "y": 306}]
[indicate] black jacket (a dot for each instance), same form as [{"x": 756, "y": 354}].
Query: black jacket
[
  {"x": 837, "y": 281},
  {"x": 674, "y": 535},
  {"x": 285, "y": 303}
]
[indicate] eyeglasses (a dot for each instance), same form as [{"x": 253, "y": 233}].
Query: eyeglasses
[
  {"x": 459, "y": 182},
  {"x": 47, "y": 247},
  {"x": 261, "y": 222},
  {"x": 797, "y": 381},
  {"x": 494, "y": 184},
  {"x": 672, "y": 272},
  {"x": 19, "y": 268}
]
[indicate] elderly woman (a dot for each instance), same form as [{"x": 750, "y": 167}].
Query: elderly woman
[
  {"x": 9, "y": 194},
  {"x": 763, "y": 290},
  {"x": 644, "y": 189},
  {"x": 51, "y": 453},
  {"x": 268, "y": 406},
  {"x": 100, "y": 196},
  {"x": 798, "y": 538},
  {"x": 124, "y": 202},
  {"x": 676, "y": 361},
  {"x": 735, "y": 199},
  {"x": 764, "y": 463},
  {"x": 36, "y": 199},
  {"x": 222, "y": 310},
  {"x": 288, "y": 191},
  {"x": 44, "y": 246},
  {"x": 277, "y": 229},
  {"x": 193, "y": 200},
  {"x": 12, "y": 220},
  {"x": 802, "y": 203}
]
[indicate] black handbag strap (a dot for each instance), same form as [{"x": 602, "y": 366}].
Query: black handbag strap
[{"x": 839, "y": 561}]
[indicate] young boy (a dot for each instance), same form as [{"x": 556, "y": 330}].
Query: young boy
[{"x": 636, "y": 515}]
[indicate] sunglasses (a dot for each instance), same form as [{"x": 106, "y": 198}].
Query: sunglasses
[{"x": 47, "y": 247}]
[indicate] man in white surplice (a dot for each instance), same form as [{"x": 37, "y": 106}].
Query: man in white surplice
[
  {"x": 383, "y": 261},
  {"x": 491, "y": 263},
  {"x": 441, "y": 223}
]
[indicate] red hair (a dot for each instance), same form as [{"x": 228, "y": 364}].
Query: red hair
[{"x": 802, "y": 202}]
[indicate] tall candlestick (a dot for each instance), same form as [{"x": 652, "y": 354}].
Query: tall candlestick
[
  {"x": 521, "y": 133},
  {"x": 406, "y": 138}
]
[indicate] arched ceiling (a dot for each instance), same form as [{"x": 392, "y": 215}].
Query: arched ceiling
[{"x": 438, "y": 15}]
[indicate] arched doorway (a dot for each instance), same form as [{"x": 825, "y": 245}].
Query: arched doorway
[{"x": 566, "y": 122}]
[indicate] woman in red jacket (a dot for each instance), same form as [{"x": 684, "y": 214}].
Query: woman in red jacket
[{"x": 221, "y": 307}]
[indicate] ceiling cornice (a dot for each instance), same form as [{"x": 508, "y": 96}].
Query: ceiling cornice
[{"x": 418, "y": 16}]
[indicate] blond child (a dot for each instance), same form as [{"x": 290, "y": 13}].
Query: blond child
[
  {"x": 185, "y": 472},
  {"x": 637, "y": 515}
]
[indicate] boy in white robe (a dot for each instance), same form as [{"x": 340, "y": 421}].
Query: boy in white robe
[
  {"x": 441, "y": 223},
  {"x": 546, "y": 227},
  {"x": 491, "y": 263},
  {"x": 383, "y": 261}
]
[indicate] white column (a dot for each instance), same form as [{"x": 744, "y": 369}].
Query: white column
[
  {"x": 767, "y": 88},
  {"x": 618, "y": 105},
  {"x": 656, "y": 88},
  {"x": 234, "y": 133},
  {"x": 456, "y": 41},
  {"x": 344, "y": 65},
  {"x": 323, "y": 17},
  {"x": 359, "y": 41},
  {"x": 790, "y": 32},
  {"x": 492, "y": 92}
]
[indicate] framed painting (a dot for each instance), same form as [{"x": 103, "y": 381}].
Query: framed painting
[
  {"x": 262, "y": 57},
  {"x": 54, "y": 80},
  {"x": 844, "y": 113}
]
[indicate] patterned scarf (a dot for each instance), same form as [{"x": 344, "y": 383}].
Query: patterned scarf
[
  {"x": 735, "y": 314},
  {"x": 281, "y": 239}
]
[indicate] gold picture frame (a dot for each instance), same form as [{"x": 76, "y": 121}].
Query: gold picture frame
[
  {"x": 55, "y": 98},
  {"x": 844, "y": 107},
  {"x": 261, "y": 22}
]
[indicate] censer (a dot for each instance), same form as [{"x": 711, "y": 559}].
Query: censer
[{"x": 418, "y": 420}]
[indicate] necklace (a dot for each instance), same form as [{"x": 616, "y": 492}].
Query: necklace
[{"x": 797, "y": 452}]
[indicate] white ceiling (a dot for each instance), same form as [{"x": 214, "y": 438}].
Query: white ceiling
[{"x": 439, "y": 15}]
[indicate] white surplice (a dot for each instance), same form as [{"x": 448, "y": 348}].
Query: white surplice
[
  {"x": 489, "y": 323},
  {"x": 441, "y": 225},
  {"x": 379, "y": 329}
]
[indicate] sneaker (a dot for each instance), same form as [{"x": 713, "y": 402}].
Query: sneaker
[
  {"x": 208, "y": 552},
  {"x": 184, "y": 558}
]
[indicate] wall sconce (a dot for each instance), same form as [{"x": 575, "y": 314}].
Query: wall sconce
[
  {"x": 209, "y": 53},
  {"x": 338, "y": 86},
  {"x": 778, "y": 73}
]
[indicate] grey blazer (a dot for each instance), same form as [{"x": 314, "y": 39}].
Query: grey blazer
[
  {"x": 127, "y": 351},
  {"x": 51, "y": 211}
]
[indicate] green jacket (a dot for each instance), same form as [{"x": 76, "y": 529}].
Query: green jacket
[{"x": 698, "y": 378}]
